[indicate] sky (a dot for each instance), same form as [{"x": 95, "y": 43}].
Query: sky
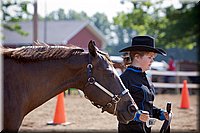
[{"x": 109, "y": 7}]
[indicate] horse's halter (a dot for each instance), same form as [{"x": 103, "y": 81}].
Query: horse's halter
[{"x": 115, "y": 98}]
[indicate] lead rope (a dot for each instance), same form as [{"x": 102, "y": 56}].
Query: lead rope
[
  {"x": 115, "y": 108},
  {"x": 143, "y": 126}
]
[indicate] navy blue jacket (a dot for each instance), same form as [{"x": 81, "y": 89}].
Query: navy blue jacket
[{"x": 143, "y": 93}]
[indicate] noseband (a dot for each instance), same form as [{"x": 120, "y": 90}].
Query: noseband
[{"x": 114, "y": 98}]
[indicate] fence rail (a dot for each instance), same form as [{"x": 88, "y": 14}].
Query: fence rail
[
  {"x": 175, "y": 85},
  {"x": 177, "y": 74},
  {"x": 174, "y": 73}
]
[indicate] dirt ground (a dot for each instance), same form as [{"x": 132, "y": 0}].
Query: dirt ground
[{"x": 83, "y": 116}]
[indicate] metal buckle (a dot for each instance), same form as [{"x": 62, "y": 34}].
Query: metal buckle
[
  {"x": 91, "y": 80},
  {"x": 150, "y": 122},
  {"x": 109, "y": 105},
  {"x": 116, "y": 99},
  {"x": 90, "y": 66}
]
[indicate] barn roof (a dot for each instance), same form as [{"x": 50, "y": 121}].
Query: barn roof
[{"x": 58, "y": 32}]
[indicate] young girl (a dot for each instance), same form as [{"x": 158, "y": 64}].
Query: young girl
[{"x": 142, "y": 54}]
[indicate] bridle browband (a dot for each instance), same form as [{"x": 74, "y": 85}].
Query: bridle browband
[{"x": 115, "y": 98}]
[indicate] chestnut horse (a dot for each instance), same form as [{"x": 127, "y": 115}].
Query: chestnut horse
[{"x": 34, "y": 74}]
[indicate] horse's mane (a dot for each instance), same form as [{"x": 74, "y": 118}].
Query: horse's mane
[
  {"x": 43, "y": 51},
  {"x": 30, "y": 53}
]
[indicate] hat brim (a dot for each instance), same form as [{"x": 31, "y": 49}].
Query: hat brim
[{"x": 144, "y": 48}]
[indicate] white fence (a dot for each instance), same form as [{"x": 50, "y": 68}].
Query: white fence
[{"x": 177, "y": 75}]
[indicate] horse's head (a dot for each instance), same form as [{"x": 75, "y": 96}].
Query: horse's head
[{"x": 105, "y": 89}]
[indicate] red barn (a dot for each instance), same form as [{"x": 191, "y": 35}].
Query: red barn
[{"x": 58, "y": 33}]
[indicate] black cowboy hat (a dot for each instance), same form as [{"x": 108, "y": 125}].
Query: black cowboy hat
[{"x": 144, "y": 43}]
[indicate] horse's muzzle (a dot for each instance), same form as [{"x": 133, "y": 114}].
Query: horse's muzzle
[{"x": 127, "y": 115}]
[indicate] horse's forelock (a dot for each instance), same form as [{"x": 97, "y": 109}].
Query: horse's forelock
[{"x": 106, "y": 56}]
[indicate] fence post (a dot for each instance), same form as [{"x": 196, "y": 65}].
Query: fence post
[{"x": 177, "y": 78}]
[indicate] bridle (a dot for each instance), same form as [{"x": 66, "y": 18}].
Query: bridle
[{"x": 114, "y": 98}]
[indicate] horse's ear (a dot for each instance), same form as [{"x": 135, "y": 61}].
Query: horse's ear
[{"x": 92, "y": 48}]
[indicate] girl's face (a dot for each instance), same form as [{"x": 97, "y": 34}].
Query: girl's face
[{"x": 144, "y": 62}]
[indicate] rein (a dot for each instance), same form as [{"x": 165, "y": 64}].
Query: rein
[{"x": 115, "y": 98}]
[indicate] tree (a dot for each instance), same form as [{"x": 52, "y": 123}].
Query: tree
[
  {"x": 57, "y": 15},
  {"x": 116, "y": 36},
  {"x": 183, "y": 29},
  {"x": 14, "y": 11},
  {"x": 100, "y": 20},
  {"x": 73, "y": 15},
  {"x": 70, "y": 15},
  {"x": 172, "y": 27}
]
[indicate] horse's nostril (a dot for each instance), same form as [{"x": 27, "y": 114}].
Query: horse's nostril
[{"x": 132, "y": 109}]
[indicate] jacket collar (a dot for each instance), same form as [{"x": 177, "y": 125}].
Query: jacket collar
[{"x": 134, "y": 69}]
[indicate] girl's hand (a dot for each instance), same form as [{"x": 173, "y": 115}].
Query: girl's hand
[
  {"x": 144, "y": 116},
  {"x": 164, "y": 115},
  {"x": 141, "y": 116}
]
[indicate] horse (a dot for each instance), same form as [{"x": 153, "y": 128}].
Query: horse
[{"x": 34, "y": 74}]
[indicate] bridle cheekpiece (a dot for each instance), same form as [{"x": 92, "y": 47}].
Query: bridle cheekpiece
[{"x": 114, "y": 98}]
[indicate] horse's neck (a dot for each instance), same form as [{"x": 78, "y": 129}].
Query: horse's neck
[
  {"x": 45, "y": 79},
  {"x": 62, "y": 75}
]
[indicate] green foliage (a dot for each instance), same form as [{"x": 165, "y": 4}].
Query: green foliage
[
  {"x": 14, "y": 11},
  {"x": 172, "y": 27},
  {"x": 100, "y": 20},
  {"x": 71, "y": 15},
  {"x": 16, "y": 28},
  {"x": 183, "y": 29},
  {"x": 116, "y": 36},
  {"x": 57, "y": 15}
]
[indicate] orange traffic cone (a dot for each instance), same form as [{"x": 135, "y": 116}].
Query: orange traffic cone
[
  {"x": 185, "y": 101},
  {"x": 59, "y": 116}
]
